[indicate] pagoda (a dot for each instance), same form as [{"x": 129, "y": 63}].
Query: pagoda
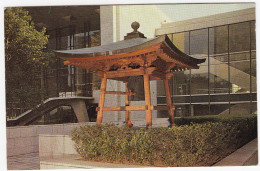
[{"x": 154, "y": 59}]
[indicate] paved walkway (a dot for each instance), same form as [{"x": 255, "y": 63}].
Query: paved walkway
[{"x": 29, "y": 161}]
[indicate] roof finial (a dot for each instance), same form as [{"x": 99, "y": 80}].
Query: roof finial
[
  {"x": 135, "y": 34},
  {"x": 135, "y": 25}
]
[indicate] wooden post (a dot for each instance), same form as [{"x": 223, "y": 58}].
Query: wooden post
[
  {"x": 127, "y": 103},
  {"x": 169, "y": 102},
  {"x": 147, "y": 100},
  {"x": 102, "y": 99}
]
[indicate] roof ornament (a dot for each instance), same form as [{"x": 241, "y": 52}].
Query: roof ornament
[
  {"x": 134, "y": 34},
  {"x": 135, "y": 25}
]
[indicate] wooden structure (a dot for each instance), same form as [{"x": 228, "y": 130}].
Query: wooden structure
[{"x": 154, "y": 59}]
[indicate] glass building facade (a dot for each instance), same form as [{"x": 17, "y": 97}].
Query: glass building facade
[{"x": 226, "y": 82}]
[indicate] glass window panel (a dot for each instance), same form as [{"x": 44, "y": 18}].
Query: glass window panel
[
  {"x": 240, "y": 66},
  {"x": 254, "y": 96},
  {"x": 239, "y": 56},
  {"x": 199, "y": 80},
  {"x": 170, "y": 37},
  {"x": 254, "y": 107},
  {"x": 199, "y": 109},
  {"x": 219, "y": 98},
  {"x": 239, "y": 77},
  {"x": 161, "y": 100},
  {"x": 216, "y": 109},
  {"x": 218, "y": 40},
  {"x": 239, "y": 37},
  {"x": 79, "y": 41},
  {"x": 240, "y": 97},
  {"x": 253, "y": 36},
  {"x": 181, "y": 41},
  {"x": 182, "y": 110},
  {"x": 219, "y": 79},
  {"x": 51, "y": 44},
  {"x": 181, "y": 99},
  {"x": 253, "y": 54},
  {"x": 199, "y": 98},
  {"x": 52, "y": 84},
  {"x": 181, "y": 83},
  {"x": 160, "y": 88},
  {"x": 199, "y": 43},
  {"x": 64, "y": 45},
  {"x": 63, "y": 42},
  {"x": 95, "y": 38},
  {"x": 240, "y": 109},
  {"x": 254, "y": 78},
  {"x": 218, "y": 59}
]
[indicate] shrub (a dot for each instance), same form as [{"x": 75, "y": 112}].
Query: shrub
[{"x": 194, "y": 144}]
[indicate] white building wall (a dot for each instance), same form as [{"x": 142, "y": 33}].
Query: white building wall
[{"x": 180, "y": 12}]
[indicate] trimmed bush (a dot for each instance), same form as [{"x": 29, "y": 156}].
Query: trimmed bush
[{"x": 194, "y": 144}]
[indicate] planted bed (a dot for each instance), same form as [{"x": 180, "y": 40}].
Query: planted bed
[{"x": 194, "y": 141}]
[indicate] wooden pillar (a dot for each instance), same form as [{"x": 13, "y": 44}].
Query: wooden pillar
[
  {"x": 169, "y": 101},
  {"x": 102, "y": 99},
  {"x": 127, "y": 103},
  {"x": 147, "y": 100}
]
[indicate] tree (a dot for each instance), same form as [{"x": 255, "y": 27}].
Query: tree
[{"x": 24, "y": 57}]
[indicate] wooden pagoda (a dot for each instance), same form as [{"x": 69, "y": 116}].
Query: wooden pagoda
[{"x": 154, "y": 59}]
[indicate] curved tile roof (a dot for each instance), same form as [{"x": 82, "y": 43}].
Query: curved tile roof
[{"x": 126, "y": 46}]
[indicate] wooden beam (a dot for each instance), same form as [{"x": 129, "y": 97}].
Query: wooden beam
[
  {"x": 162, "y": 108},
  {"x": 101, "y": 99},
  {"x": 127, "y": 103},
  {"x": 169, "y": 102},
  {"x": 123, "y": 108},
  {"x": 127, "y": 72},
  {"x": 120, "y": 93},
  {"x": 135, "y": 108},
  {"x": 147, "y": 93}
]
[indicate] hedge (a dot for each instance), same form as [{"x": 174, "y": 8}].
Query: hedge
[{"x": 194, "y": 144}]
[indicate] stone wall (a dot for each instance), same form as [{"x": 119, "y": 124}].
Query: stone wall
[{"x": 25, "y": 139}]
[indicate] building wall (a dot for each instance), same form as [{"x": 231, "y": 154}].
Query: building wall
[
  {"x": 226, "y": 82},
  {"x": 181, "y": 12}
]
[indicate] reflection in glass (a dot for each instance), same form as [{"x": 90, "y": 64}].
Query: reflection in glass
[
  {"x": 199, "y": 109},
  {"x": 182, "y": 110},
  {"x": 199, "y": 80},
  {"x": 216, "y": 109},
  {"x": 170, "y": 36},
  {"x": 218, "y": 81},
  {"x": 218, "y": 40},
  {"x": 239, "y": 56},
  {"x": 237, "y": 109},
  {"x": 253, "y": 36},
  {"x": 239, "y": 37},
  {"x": 240, "y": 77},
  {"x": 199, "y": 43},
  {"x": 181, "y": 41},
  {"x": 181, "y": 83},
  {"x": 254, "y": 78}
]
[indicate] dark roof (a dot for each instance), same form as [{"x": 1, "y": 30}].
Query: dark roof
[{"x": 125, "y": 46}]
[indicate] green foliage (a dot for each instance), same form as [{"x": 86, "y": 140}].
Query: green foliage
[
  {"x": 194, "y": 144},
  {"x": 24, "y": 57}
]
